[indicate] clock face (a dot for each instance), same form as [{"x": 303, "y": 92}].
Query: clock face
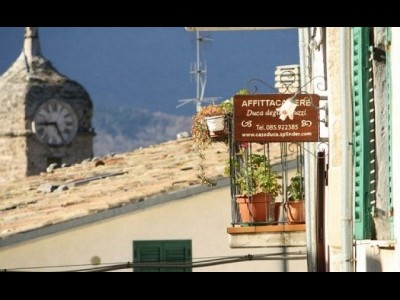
[{"x": 55, "y": 123}]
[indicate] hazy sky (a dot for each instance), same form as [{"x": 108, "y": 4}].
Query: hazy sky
[{"x": 148, "y": 67}]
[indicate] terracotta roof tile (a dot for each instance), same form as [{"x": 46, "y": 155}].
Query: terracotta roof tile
[{"x": 144, "y": 173}]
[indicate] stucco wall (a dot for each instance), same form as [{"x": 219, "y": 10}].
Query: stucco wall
[
  {"x": 395, "y": 50},
  {"x": 203, "y": 218},
  {"x": 375, "y": 256},
  {"x": 335, "y": 155}
]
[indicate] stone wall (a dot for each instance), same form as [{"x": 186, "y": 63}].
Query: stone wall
[
  {"x": 40, "y": 155},
  {"x": 381, "y": 213},
  {"x": 13, "y": 89},
  {"x": 21, "y": 94},
  {"x": 13, "y": 159}
]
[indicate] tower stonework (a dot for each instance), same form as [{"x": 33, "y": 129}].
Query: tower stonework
[{"x": 46, "y": 117}]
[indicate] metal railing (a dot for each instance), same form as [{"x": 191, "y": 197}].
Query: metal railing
[{"x": 257, "y": 168}]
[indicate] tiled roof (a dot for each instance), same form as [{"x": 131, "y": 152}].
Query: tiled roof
[{"x": 104, "y": 183}]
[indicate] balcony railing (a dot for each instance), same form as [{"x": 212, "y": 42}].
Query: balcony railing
[{"x": 265, "y": 179}]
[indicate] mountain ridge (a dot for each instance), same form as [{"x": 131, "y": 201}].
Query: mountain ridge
[{"x": 123, "y": 129}]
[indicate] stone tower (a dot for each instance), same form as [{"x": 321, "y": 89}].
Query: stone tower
[{"x": 46, "y": 117}]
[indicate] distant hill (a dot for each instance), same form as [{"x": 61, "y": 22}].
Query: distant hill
[{"x": 123, "y": 129}]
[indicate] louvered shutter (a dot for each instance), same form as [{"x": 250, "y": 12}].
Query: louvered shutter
[
  {"x": 363, "y": 151},
  {"x": 177, "y": 251}
]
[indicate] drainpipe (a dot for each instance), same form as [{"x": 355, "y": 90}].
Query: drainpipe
[
  {"x": 309, "y": 183},
  {"x": 346, "y": 197}
]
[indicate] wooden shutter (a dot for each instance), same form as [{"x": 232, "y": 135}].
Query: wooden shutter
[
  {"x": 363, "y": 148},
  {"x": 176, "y": 251}
]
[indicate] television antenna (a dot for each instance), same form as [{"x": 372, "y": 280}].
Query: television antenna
[{"x": 199, "y": 71}]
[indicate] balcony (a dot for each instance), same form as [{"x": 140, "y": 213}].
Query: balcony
[
  {"x": 263, "y": 220},
  {"x": 282, "y": 235}
]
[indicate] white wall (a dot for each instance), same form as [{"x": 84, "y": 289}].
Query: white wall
[
  {"x": 333, "y": 205},
  {"x": 203, "y": 218}
]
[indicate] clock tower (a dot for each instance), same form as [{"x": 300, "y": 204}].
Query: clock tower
[{"x": 46, "y": 117}]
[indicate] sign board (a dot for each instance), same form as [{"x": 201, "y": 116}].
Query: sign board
[{"x": 256, "y": 118}]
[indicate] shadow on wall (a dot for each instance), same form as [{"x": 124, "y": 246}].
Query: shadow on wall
[{"x": 374, "y": 264}]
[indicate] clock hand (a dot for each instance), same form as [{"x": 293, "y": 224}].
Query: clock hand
[
  {"x": 59, "y": 132},
  {"x": 47, "y": 123},
  {"x": 55, "y": 124}
]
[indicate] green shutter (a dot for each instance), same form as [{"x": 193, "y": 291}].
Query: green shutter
[
  {"x": 147, "y": 252},
  {"x": 389, "y": 123},
  {"x": 177, "y": 251},
  {"x": 362, "y": 134}
]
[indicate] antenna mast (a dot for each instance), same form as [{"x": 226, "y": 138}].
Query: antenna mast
[
  {"x": 199, "y": 70},
  {"x": 201, "y": 75}
]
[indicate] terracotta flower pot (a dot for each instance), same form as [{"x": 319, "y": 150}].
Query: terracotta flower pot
[
  {"x": 295, "y": 212},
  {"x": 258, "y": 208}
]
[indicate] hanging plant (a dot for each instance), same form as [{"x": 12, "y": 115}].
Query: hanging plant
[
  {"x": 202, "y": 137},
  {"x": 204, "y": 134}
]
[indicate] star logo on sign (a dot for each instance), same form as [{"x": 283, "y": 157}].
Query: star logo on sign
[{"x": 287, "y": 109}]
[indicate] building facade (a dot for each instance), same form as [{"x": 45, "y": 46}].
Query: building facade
[
  {"x": 352, "y": 172},
  {"x": 151, "y": 195},
  {"x": 357, "y": 65}
]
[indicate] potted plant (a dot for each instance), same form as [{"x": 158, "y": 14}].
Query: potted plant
[
  {"x": 214, "y": 118},
  {"x": 295, "y": 206},
  {"x": 227, "y": 105},
  {"x": 208, "y": 125},
  {"x": 259, "y": 185}
]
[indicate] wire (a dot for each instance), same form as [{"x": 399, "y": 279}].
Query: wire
[
  {"x": 50, "y": 267},
  {"x": 190, "y": 265},
  {"x": 106, "y": 267}
]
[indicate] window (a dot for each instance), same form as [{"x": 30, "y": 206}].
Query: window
[{"x": 175, "y": 251}]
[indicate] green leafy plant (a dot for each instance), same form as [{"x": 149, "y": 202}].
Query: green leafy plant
[
  {"x": 296, "y": 188},
  {"x": 255, "y": 175},
  {"x": 200, "y": 131},
  {"x": 201, "y": 136},
  {"x": 227, "y": 105}
]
